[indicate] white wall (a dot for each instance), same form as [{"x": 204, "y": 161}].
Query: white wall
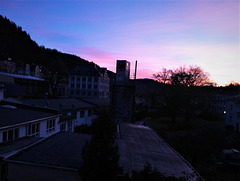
[{"x": 42, "y": 128}]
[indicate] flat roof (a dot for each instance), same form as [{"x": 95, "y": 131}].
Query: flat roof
[
  {"x": 62, "y": 150},
  {"x": 139, "y": 145},
  {"x": 13, "y": 115}
]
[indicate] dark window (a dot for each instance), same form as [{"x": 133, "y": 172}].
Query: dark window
[
  {"x": 84, "y": 86},
  {"x": 10, "y": 135},
  {"x": 4, "y": 136},
  {"x": 83, "y": 79},
  {"x": 82, "y": 114}
]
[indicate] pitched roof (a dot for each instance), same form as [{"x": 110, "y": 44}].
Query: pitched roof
[
  {"x": 62, "y": 150},
  {"x": 63, "y": 104},
  {"x": 139, "y": 145},
  {"x": 13, "y": 114},
  {"x": 21, "y": 76}
]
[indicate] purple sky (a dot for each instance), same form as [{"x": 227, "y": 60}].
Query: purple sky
[{"x": 157, "y": 33}]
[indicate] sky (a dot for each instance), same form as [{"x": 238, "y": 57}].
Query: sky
[{"x": 157, "y": 33}]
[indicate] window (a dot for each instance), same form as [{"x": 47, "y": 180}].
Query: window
[
  {"x": 10, "y": 134},
  {"x": 69, "y": 126},
  {"x": 78, "y": 85},
  {"x": 83, "y": 86},
  {"x": 73, "y": 78},
  {"x": 89, "y": 79},
  {"x": 72, "y": 85},
  {"x": 63, "y": 127},
  {"x": 90, "y": 112},
  {"x": 83, "y": 79},
  {"x": 89, "y": 86},
  {"x": 82, "y": 114},
  {"x": 50, "y": 125},
  {"x": 95, "y": 79},
  {"x": 33, "y": 129},
  {"x": 95, "y": 86}
]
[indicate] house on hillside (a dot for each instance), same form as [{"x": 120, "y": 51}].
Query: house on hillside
[
  {"x": 89, "y": 81},
  {"x": 232, "y": 117},
  {"x": 32, "y": 86}
]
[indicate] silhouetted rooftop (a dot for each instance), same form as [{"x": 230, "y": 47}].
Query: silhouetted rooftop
[
  {"x": 62, "y": 150},
  {"x": 64, "y": 104},
  {"x": 11, "y": 115}
]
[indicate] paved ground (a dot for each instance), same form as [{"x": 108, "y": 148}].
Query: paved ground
[{"x": 139, "y": 144}]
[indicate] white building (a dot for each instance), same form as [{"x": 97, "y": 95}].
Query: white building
[
  {"x": 18, "y": 121},
  {"x": 89, "y": 81},
  {"x": 232, "y": 117},
  {"x": 76, "y": 112}
]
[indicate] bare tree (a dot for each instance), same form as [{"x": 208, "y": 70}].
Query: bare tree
[
  {"x": 191, "y": 76},
  {"x": 163, "y": 76},
  {"x": 182, "y": 93}
]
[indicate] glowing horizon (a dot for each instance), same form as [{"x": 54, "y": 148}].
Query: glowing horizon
[{"x": 163, "y": 33}]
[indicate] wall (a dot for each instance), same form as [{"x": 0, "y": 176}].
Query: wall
[{"x": 18, "y": 172}]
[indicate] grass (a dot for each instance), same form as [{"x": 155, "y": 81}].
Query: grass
[{"x": 198, "y": 141}]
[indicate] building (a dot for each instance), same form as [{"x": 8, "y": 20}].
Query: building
[
  {"x": 33, "y": 86},
  {"x": 18, "y": 121},
  {"x": 232, "y": 114},
  {"x": 55, "y": 158},
  {"x": 139, "y": 145},
  {"x": 75, "y": 112},
  {"x": 123, "y": 93},
  {"x": 89, "y": 81}
]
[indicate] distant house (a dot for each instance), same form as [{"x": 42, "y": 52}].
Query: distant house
[
  {"x": 33, "y": 86},
  {"x": 55, "y": 158},
  {"x": 89, "y": 81},
  {"x": 18, "y": 121},
  {"x": 76, "y": 112},
  {"x": 232, "y": 117}
]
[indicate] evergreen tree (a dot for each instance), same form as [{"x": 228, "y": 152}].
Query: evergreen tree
[{"x": 101, "y": 154}]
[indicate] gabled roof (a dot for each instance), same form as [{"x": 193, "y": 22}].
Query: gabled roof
[{"x": 62, "y": 150}]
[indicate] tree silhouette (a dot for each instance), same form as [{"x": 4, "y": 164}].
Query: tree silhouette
[
  {"x": 101, "y": 154},
  {"x": 182, "y": 94}
]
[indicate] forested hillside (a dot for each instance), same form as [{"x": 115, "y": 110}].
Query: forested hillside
[{"x": 18, "y": 45}]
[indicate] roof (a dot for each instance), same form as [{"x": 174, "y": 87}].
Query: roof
[
  {"x": 11, "y": 146},
  {"x": 62, "y": 150},
  {"x": 13, "y": 90},
  {"x": 90, "y": 70},
  {"x": 21, "y": 76},
  {"x": 63, "y": 104},
  {"x": 96, "y": 101},
  {"x": 139, "y": 145},
  {"x": 12, "y": 115}
]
